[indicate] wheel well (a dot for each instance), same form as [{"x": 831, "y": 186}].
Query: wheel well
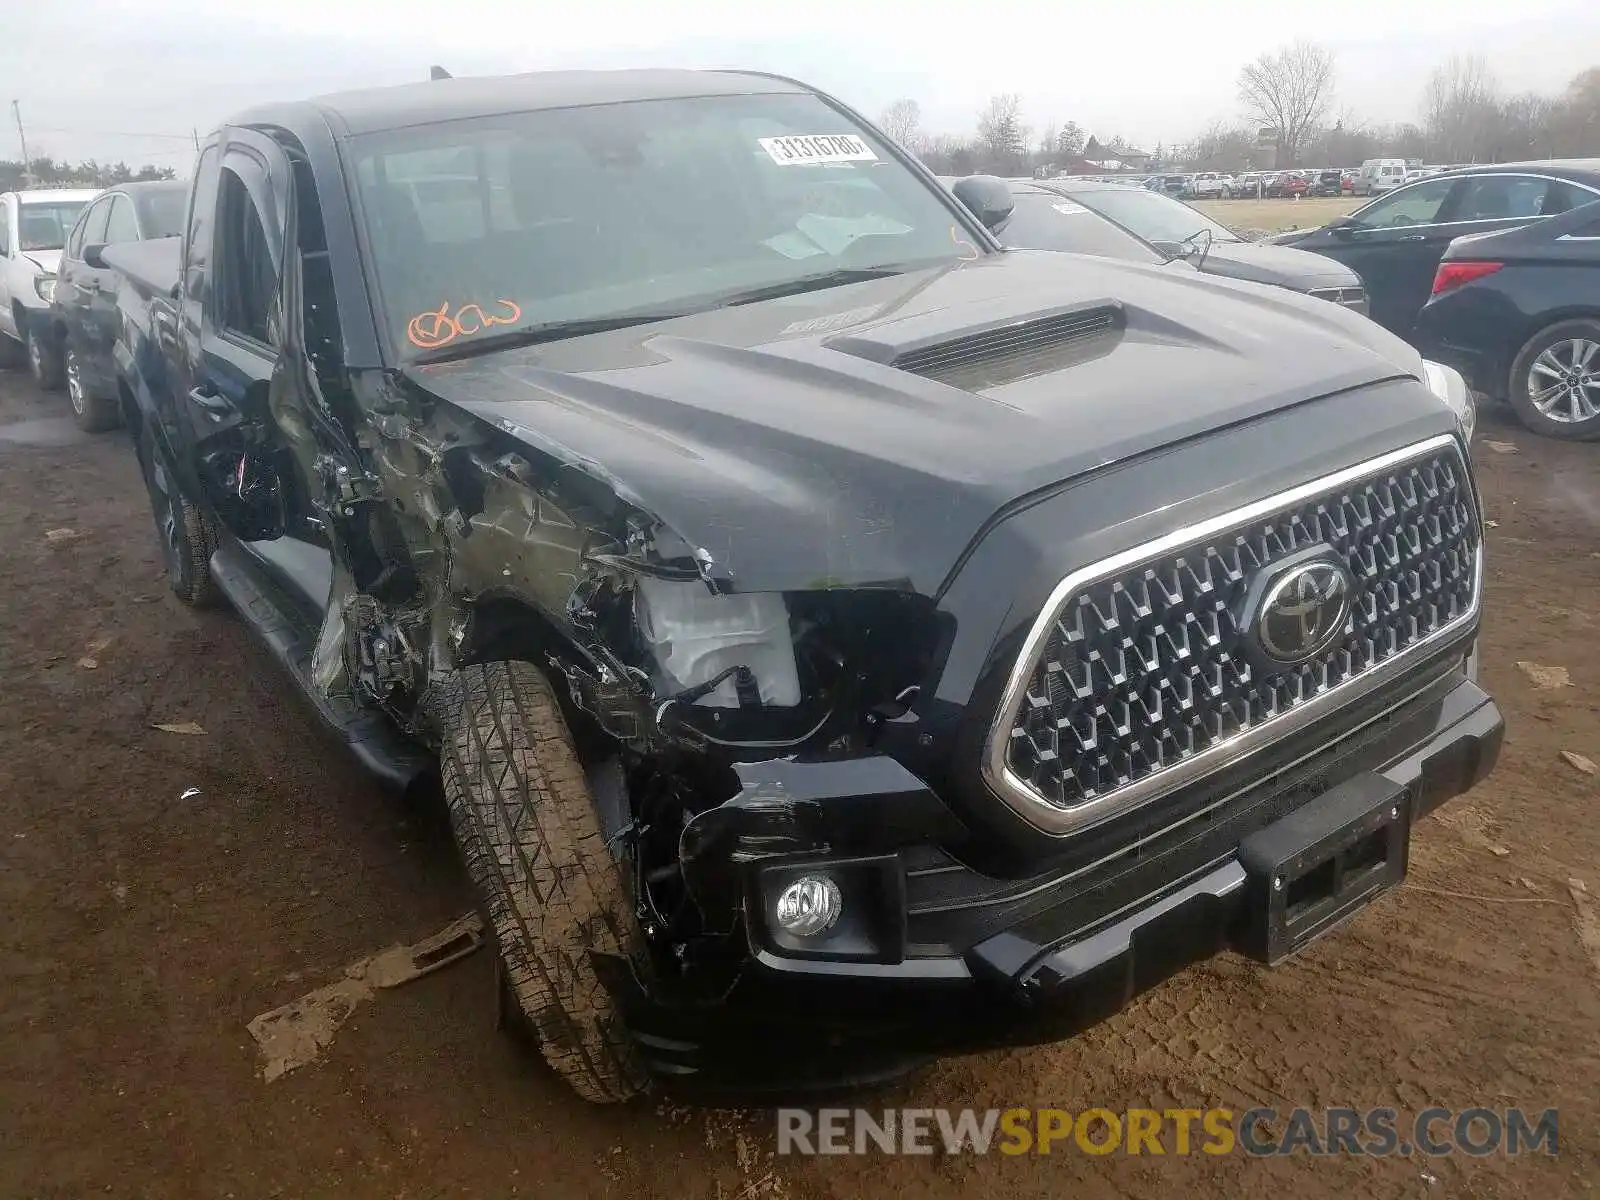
[{"x": 508, "y": 627}]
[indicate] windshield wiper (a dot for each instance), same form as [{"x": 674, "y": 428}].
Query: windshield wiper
[
  {"x": 809, "y": 283},
  {"x": 1200, "y": 240},
  {"x": 533, "y": 335}
]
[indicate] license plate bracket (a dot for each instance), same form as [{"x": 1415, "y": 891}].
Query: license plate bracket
[{"x": 1316, "y": 867}]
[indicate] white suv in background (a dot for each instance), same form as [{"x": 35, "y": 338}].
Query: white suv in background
[
  {"x": 1207, "y": 185},
  {"x": 33, "y": 229}
]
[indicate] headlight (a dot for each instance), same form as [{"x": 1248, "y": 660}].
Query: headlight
[
  {"x": 1447, "y": 384},
  {"x": 45, "y": 285}
]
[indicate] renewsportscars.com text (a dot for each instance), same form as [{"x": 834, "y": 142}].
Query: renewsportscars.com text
[{"x": 1177, "y": 1131}]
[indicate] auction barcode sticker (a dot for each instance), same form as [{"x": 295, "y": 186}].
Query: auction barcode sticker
[{"x": 817, "y": 148}]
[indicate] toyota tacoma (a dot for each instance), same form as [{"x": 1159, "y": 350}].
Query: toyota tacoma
[{"x": 842, "y": 641}]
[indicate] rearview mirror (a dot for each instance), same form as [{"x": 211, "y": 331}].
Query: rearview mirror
[
  {"x": 988, "y": 198},
  {"x": 93, "y": 258}
]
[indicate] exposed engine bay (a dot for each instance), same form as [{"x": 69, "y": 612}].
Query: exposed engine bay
[{"x": 669, "y": 674}]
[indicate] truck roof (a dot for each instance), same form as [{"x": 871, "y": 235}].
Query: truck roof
[{"x": 376, "y": 109}]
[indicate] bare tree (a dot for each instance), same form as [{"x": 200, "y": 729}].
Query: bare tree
[
  {"x": 1220, "y": 148},
  {"x": 902, "y": 121},
  {"x": 1289, "y": 92},
  {"x": 1002, "y": 133},
  {"x": 1461, "y": 108},
  {"x": 1070, "y": 141},
  {"x": 1574, "y": 127}
]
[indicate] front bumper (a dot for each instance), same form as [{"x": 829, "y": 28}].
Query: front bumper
[
  {"x": 1044, "y": 963},
  {"x": 36, "y": 320}
]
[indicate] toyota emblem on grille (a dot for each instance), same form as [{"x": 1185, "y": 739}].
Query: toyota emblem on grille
[{"x": 1304, "y": 610}]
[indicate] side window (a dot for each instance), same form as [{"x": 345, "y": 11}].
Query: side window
[
  {"x": 245, "y": 279},
  {"x": 1564, "y": 197},
  {"x": 1418, "y": 204},
  {"x": 121, "y": 225},
  {"x": 1501, "y": 197},
  {"x": 5, "y": 229},
  {"x": 202, "y": 213},
  {"x": 94, "y": 224}
]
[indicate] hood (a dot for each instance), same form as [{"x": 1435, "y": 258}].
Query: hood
[
  {"x": 783, "y": 443},
  {"x": 46, "y": 260},
  {"x": 1299, "y": 270}
]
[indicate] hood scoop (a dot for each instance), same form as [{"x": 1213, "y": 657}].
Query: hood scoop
[{"x": 1003, "y": 351}]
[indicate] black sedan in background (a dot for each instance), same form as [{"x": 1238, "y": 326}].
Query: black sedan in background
[
  {"x": 1518, "y": 313},
  {"x": 84, "y": 308},
  {"x": 1118, "y": 221},
  {"x": 1395, "y": 242},
  {"x": 1042, "y": 218}
]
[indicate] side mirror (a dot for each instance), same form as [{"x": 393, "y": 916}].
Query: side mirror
[
  {"x": 92, "y": 256},
  {"x": 1342, "y": 227},
  {"x": 988, "y": 198}
]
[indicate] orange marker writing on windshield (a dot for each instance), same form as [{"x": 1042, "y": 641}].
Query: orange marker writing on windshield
[{"x": 435, "y": 328}]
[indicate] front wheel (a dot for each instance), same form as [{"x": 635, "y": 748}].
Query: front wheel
[
  {"x": 44, "y": 361},
  {"x": 529, "y": 834},
  {"x": 187, "y": 533},
  {"x": 1555, "y": 380},
  {"x": 94, "y": 414}
]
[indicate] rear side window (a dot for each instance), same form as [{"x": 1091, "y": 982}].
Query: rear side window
[
  {"x": 245, "y": 279},
  {"x": 1503, "y": 197},
  {"x": 5, "y": 228},
  {"x": 1564, "y": 197},
  {"x": 121, "y": 225}
]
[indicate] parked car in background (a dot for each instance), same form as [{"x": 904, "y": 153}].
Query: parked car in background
[
  {"x": 1177, "y": 230},
  {"x": 1248, "y": 185},
  {"x": 33, "y": 228},
  {"x": 1327, "y": 182},
  {"x": 1395, "y": 241},
  {"x": 1046, "y": 218},
  {"x": 1282, "y": 185},
  {"x": 1380, "y": 175},
  {"x": 1517, "y": 311},
  {"x": 82, "y": 328},
  {"x": 1207, "y": 185},
  {"x": 1175, "y": 185}
]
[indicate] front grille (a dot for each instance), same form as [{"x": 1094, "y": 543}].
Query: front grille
[
  {"x": 1138, "y": 676},
  {"x": 1350, "y": 297}
]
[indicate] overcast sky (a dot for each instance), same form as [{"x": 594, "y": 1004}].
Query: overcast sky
[{"x": 91, "y": 74}]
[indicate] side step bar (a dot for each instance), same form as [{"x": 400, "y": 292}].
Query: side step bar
[{"x": 381, "y": 748}]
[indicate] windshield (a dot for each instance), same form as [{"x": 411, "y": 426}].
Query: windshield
[
  {"x": 44, "y": 225},
  {"x": 543, "y": 219},
  {"x": 1050, "y": 222},
  {"x": 161, "y": 211},
  {"x": 1153, "y": 217}
]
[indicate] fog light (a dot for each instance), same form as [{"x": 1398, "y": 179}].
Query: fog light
[{"x": 809, "y": 905}]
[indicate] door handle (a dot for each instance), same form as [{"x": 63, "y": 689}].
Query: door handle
[
  {"x": 1415, "y": 237},
  {"x": 212, "y": 402}
]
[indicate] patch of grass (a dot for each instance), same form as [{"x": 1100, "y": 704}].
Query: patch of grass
[{"x": 1274, "y": 216}]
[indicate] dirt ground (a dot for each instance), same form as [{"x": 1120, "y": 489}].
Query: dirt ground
[
  {"x": 145, "y": 925},
  {"x": 1274, "y": 216}
]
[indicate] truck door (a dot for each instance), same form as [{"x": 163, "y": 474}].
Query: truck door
[{"x": 225, "y": 363}]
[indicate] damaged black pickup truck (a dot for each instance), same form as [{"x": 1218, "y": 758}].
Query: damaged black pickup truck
[{"x": 843, "y": 641}]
